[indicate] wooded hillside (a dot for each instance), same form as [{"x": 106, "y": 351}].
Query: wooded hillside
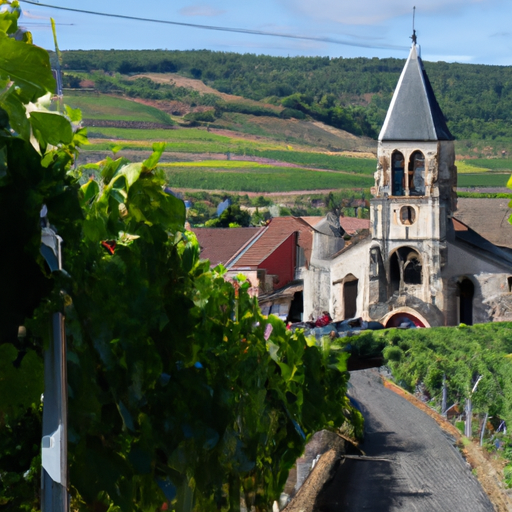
[{"x": 352, "y": 94}]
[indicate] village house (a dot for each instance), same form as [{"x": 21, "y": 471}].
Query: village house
[{"x": 417, "y": 262}]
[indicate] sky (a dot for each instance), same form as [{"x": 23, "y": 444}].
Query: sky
[{"x": 466, "y": 31}]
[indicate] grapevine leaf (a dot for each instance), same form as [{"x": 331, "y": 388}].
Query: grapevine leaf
[
  {"x": 17, "y": 115},
  {"x": 89, "y": 190},
  {"x": 152, "y": 161},
  {"x": 53, "y": 127},
  {"x": 130, "y": 172},
  {"x": 74, "y": 114},
  {"x": 28, "y": 66}
]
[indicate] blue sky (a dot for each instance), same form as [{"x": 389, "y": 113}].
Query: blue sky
[{"x": 468, "y": 31}]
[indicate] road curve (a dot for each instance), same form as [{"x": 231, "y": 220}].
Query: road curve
[{"x": 422, "y": 470}]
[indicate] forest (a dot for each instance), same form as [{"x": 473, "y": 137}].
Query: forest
[{"x": 352, "y": 94}]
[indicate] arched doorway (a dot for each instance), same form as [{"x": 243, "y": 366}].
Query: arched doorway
[
  {"x": 405, "y": 317},
  {"x": 466, "y": 292},
  {"x": 405, "y": 268},
  {"x": 397, "y": 174}
]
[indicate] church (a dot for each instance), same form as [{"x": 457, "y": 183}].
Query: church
[{"x": 417, "y": 263}]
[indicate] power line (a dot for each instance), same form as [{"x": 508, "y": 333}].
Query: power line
[{"x": 220, "y": 29}]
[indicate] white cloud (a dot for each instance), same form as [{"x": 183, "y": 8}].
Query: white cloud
[
  {"x": 200, "y": 10},
  {"x": 28, "y": 14},
  {"x": 370, "y": 12}
]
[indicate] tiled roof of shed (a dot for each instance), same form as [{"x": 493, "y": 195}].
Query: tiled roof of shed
[
  {"x": 279, "y": 230},
  {"x": 220, "y": 245}
]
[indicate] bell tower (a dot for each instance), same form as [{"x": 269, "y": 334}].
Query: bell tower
[{"x": 413, "y": 197}]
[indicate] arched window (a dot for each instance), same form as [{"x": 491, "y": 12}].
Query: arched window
[
  {"x": 397, "y": 174},
  {"x": 405, "y": 268},
  {"x": 416, "y": 174},
  {"x": 466, "y": 292}
]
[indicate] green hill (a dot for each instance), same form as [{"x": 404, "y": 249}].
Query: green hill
[{"x": 352, "y": 94}]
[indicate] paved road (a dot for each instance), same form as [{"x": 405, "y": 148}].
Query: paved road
[{"x": 423, "y": 472}]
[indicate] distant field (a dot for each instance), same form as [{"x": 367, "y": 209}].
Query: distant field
[
  {"x": 195, "y": 140},
  {"x": 467, "y": 166},
  {"x": 113, "y": 108},
  {"x": 494, "y": 164},
  {"x": 482, "y": 165},
  {"x": 262, "y": 179},
  {"x": 483, "y": 180},
  {"x": 191, "y": 146}
]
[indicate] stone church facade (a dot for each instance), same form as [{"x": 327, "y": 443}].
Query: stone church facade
[{"x": 417, "y": 262}]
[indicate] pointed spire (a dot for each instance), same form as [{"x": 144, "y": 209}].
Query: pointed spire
[{"x": 414, "y": 113}]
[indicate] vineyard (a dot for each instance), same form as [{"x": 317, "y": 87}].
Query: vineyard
[
  {"x": 182, "y": 395},
  {"x": 261, "y": 178}
]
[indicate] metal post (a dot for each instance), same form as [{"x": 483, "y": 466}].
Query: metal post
[
  {"x": 469, "y": 416},
  {"x": 484, "y": 424},
  {"x": 445, "y": 396},
  {"x": 54, "y": 477}
]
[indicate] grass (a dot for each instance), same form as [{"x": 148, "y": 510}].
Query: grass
[
  {"x": 262, "y": 179},
  {"x": 231, "y": 165},
  {"x": 483, "y": 180},
  {"x": 467, "y": 166},
  {"x": 323, "y": 161},
  {"x": 102, "y": 107},
  {"x": 158, "y": 135},
  {"x": 493, "y": 164}
]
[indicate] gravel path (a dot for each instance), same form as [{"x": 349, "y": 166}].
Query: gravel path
[{"x": 422, "y": 470}]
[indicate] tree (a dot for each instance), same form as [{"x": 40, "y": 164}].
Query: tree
[{"x": 232, "y": 215}]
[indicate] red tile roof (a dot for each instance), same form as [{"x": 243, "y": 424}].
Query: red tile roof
[
  {"x": 220, "y": 245},
  {"x": 352, "y": 224},
  {"x": 279, "y": 230},
  {"x": 313, "y": 220}
]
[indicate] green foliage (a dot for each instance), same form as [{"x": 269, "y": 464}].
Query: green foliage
[
  {"x": 246, "y": 108},
  {"x": 176, "y": 380},
  {"x": 36, "y": 150},
  {"x": 261, "y": 201},
  {"x": 232, "y": 216},
  {"x": 208, "y": 116},
  {"x": 461, "y": 354}
]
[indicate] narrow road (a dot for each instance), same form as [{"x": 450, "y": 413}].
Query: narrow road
[{"x": 422, "y": 471}]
